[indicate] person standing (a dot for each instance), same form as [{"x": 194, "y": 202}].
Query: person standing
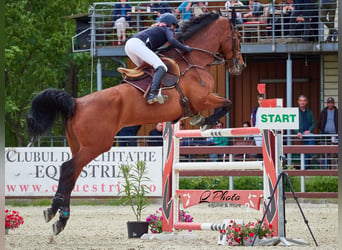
[
  {"x": 255, "y": 121},
  {"x": 328, "y": 124},
  {"x": 306, "y": 125},
  {"x": 129, "y": 136},
  {"x": 327, "y": 13},
  {"x": 328, "y": 118},
  {"x": 157, "y": 131}
]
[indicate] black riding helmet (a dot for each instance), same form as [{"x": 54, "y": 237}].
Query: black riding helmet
[{"x": 169, "y": 19}]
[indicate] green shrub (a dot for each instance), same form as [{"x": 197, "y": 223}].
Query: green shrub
[
  {"x": 248, "y": 183},
  {"x": 312, "y": 184},
  {"x": 206, "y": 182},
  {"x": 321, "y": 184},
  {"x": 295, "y": 181}
]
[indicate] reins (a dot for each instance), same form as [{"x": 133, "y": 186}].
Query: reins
[{"x": 218, "y": 59}]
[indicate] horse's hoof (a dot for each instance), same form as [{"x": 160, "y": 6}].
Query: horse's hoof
[
  {"x": 57, "y": 227},
  {"x": 196, "y": 120},
  {"x": 48, "y": 214}
]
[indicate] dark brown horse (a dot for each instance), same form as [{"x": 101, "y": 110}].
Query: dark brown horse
[{"x": 92, "y": 121}]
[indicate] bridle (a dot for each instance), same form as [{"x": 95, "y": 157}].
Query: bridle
[
  {"x": 219, "y": 58},
  {"x": 233, "y": 39}
]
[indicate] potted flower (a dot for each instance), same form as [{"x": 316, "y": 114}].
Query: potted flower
[
  {"x": 155, "y": 220},
  {"x": 135, "y": 192},
  {"x": 243, "y": 234},
  {"x": 12, "y": 220}
]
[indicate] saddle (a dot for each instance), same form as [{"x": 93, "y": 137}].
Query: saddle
[{"x": 141, "y": 77}]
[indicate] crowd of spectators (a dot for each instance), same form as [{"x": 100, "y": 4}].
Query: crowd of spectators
[{"x": 291, "y": 19}]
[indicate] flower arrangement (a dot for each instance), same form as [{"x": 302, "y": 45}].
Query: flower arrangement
[
  {"x": 243, "y": 234},
  {"x": 155, "y": 220},
  {"x": 12, "y": 219}
]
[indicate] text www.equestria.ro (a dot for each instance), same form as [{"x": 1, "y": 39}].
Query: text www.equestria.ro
[{"x": 84, "y": 188}]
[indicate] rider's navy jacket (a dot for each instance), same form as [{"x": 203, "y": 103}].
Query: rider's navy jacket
[{"x": 157, "y": 36}]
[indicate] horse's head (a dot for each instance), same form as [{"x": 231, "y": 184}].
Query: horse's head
[{"x": 230, "y": 48}]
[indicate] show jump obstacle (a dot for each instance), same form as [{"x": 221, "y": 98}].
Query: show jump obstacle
[{"x": 273, "y": 120}]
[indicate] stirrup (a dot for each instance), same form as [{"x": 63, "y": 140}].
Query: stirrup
[
  {"x": 151, "y": 99},
  {"x": 161, "y": 98}
]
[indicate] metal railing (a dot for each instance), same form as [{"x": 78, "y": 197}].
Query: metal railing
[
  {"x": 317, "y": 157},
  {"x": 119, "y": 141},
  {"x": 278, "y": 23},
  {"x": 300, "y": 160}
]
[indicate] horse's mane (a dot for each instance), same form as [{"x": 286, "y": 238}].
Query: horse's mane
[{"x": 194, "y": 24}]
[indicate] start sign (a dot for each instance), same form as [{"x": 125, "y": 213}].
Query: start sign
[{"x": 278, "y": 118}]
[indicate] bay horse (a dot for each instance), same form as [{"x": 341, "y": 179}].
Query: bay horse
[{"x": 92, "y": 121}]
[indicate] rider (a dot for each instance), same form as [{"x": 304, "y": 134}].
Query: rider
[{"x": 140, "y": 48}]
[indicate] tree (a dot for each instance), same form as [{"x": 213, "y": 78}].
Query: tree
[{"x": 38, "y": 55}]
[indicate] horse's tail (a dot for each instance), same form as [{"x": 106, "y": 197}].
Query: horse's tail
[{"x": 45, "y": 108}]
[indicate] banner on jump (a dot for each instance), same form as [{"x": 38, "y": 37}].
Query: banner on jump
[
  {"x": 278, "y": 118},
  {"x": 35, "y": 171}
]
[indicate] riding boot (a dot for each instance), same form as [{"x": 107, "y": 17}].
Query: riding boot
[{"x": 158, "y": 76}]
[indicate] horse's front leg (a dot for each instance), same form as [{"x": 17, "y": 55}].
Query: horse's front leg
[
  {"x": 218, "y": 113},
  {"x": 221, "y": 105}
]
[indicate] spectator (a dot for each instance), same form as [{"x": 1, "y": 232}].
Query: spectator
[
  {"x": 327, "y": 13},
  {"x": 287, "y": 7},
  {"x": 186, "y": 141},
  {"x": 126, "y": 132},
  {"x": 256, "y": 9},
  {"x": 328, "y": 118},
  {"x": 302, "y": 14},
  {"x": 230, "y": 4},
  {"x": 159, "y": 7},
  {"x": 287, "y": 12},
  {"x": 157, "y": 131},
  {"x": 306, "y": 125},
  {"x": 255, "y": 121},
  {"x": 243, "y": 141},
  {"x": 328, "y": 124},
  {"x": 199, "y": 8},
  {"x": 121, "y": 19},
  {"x": 185, "y": 9},
  {"x": 247, "y": 124},
  {"x": 218, "y": 141}
]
